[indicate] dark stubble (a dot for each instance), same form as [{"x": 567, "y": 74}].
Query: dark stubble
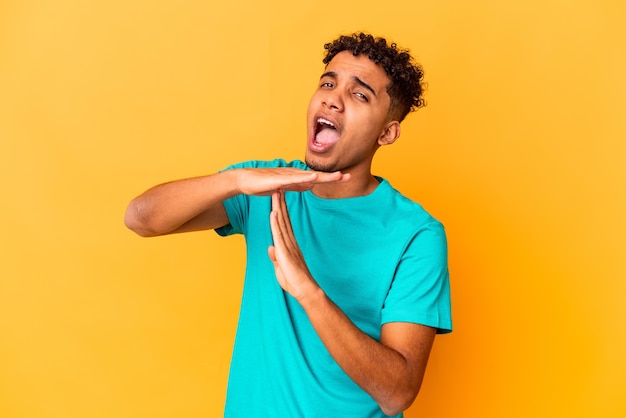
[{"x": 328, "y": 168}]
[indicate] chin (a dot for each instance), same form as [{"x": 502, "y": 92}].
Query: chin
[{"x": 319, "y": 166}]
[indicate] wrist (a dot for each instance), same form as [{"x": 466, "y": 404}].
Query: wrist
[
  {"x": 233, "y": 177},
  {"x": 313, "y": 299}
]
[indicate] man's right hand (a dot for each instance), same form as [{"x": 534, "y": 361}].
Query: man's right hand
[
  {"x": 196, "y": 203},
  {"x": 265, "y": 181}
]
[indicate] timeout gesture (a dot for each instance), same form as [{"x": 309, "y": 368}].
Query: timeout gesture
[
  {"x": 265, "y": 181},
  {"x": 195, "y": 204},
  {"x": 291, "y": 270}
]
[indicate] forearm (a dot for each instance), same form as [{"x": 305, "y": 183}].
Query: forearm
[
  {"x": 196, "y": 203},
  {"x": 392, "y": 378},
  {"x": 189, "y": 204},
  {"x": 391, "y": 370}
]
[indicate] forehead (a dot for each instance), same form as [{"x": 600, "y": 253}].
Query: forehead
[{"x": 346, "y": 65}]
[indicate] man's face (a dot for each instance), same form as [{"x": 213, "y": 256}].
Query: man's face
[{"x": 347, "y": 115}]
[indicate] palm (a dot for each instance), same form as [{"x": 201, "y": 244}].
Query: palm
[{"x": 265, "y": 181}]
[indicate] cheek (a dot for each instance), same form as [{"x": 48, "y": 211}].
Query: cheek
[
  {"x": 367, "y": 128},
  {"x": 312, "y": 100},
  {"x": 309, "y": 115}
]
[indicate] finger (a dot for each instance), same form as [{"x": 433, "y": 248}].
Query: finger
[
  {"x": 275, "y": 205},
  {"x": 285, "y": 221},
  {"x": 300, "y": 187},
  {"x": 300, "y": 178},
  {"x": 271, "y": 251},
  {"x": 345, "y": 177},
  {"x": 281, "y": 228},
  {"x": 279, "y": 220},
  {"x": 300, "y": 183},
  {"x": 281, "y": 223},
  {"x": 278, "y": 209},
  {"x": 313, "y": 177},
  {"x": 276, "y": 232},
  {"x": 336, "y": 176}
]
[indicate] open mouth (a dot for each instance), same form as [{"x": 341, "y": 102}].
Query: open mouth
[{"x": 326, "y": 133}]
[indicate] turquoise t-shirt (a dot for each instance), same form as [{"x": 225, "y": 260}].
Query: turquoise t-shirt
[{"x": 381, "y": 258}]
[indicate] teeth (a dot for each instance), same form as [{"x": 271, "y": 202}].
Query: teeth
[{"x": 325, "y": 122}]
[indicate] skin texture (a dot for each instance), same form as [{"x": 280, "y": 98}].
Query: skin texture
[
  {"x": 390, "y": 370},
  {"x": 406, "y": 89},
  {"x": 195, "y": 204},
  {"x": 360, "y": 116}
]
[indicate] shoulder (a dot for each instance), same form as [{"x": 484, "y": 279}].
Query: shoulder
[{"x": 406, "y": 210}]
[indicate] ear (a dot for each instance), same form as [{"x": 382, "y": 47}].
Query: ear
[{"x": 390, "y": 133}]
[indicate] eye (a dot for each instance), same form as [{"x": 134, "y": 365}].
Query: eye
[
  {"x": 361, "y": 96},
  {"x": 327, "y": 84}
]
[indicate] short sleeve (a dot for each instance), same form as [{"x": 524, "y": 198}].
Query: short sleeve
[
  {"x": 420, "y": 290},
  {"x": 236, "y": 210},
  {"x": 237, "y": 207}
]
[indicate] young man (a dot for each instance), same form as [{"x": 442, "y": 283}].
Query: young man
[{"x": 347, "y": 280}]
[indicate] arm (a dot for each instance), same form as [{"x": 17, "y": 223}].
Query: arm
[
  {"x": 196, "y": 204},
  {"x": 391, "y": 370}
]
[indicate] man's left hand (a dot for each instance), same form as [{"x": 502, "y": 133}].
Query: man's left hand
[{"x": 291, "y": 270}]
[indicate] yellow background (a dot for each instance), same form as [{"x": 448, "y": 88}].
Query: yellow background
[{"x": 520, "y": 152}]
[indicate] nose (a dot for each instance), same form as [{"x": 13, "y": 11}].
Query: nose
[{"x": 333, "y": 100}]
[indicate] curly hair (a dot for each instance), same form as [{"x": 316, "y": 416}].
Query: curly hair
[{"x": 406, "y": 88}]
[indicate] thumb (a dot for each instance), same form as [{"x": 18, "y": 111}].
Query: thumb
[{"x": 271, "y": 251}]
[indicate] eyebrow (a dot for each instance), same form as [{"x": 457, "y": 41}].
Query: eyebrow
[{"x": 356, "y": 79}]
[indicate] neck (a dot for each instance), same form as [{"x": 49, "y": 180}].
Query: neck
[{"x": 356, "y": 186}]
